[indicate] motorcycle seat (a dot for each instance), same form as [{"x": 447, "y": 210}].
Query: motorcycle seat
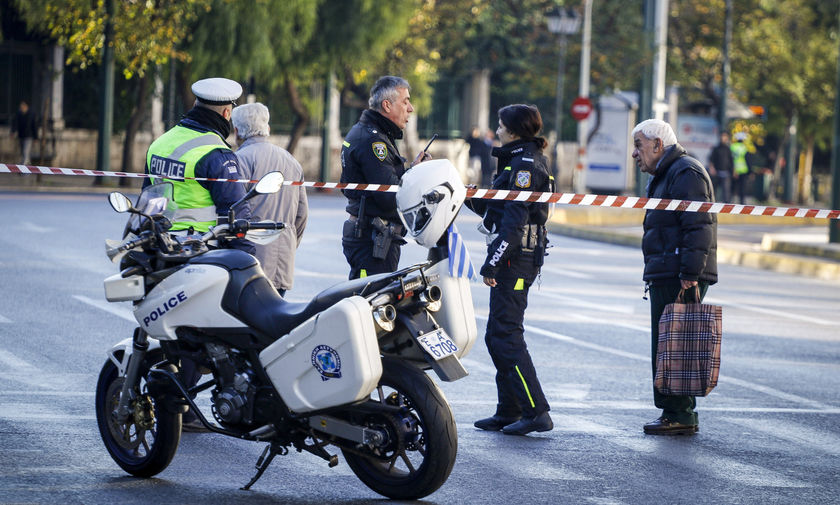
[{"x": 251, "y": 297}]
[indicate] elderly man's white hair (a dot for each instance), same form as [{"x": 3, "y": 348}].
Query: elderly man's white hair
[
  {"x": 655, "y": 129},
  {"x": 250, "y": 120}
]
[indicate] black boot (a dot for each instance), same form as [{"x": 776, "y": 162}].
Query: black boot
[
  {"x": 495, "y": 423},
  {"x": 540, "y": 422}
]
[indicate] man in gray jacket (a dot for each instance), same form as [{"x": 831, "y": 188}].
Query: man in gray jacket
[{"x": 258, "y": 156}]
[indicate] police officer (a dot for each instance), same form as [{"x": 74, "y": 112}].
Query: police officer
[
  {"x": 373, "y": 233},
  {"x": 196, "y": 148},
  {"x": 516, "y": 240}
]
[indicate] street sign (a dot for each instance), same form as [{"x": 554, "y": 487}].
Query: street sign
[{"x": 581, "y": 108}]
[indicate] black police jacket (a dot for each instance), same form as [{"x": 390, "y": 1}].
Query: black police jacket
[
  {"x": 369, "y": 155},
  {"x": 678, "y": 244},
  {"x": 521, "y": 167}
]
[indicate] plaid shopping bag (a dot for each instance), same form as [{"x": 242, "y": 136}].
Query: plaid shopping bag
[{"x": 688, "y": 350}]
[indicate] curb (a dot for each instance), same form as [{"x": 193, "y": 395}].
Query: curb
[{"x": 790, "y": 261}]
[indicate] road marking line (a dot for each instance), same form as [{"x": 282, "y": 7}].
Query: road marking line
[
  {"x": 773, "y": 312},
  {"x": 523, "y": 465},
  {"x": 692, "y": 456},
  {"x": 638, "y": 357},
  {"x": 9, "y": 360},
  {"x": 116, "y": 310},
  {"x": 797, "y": 433},
  {"x": 625, "y": 406},
  {"x": 575, "y": 302},
  {"x": 567, "y": 273}
]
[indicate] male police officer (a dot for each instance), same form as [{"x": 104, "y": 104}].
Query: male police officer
[
  {"x": 372, "y": 235},
  {"x": 196, "y": 148}
]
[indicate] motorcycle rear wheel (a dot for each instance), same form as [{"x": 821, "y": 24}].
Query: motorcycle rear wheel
[
  {"x": 146, "y": 442},
  {"x": 424, "y": 441}
]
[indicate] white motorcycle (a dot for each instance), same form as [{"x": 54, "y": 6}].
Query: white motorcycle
[{"x": 345, "y": 370}]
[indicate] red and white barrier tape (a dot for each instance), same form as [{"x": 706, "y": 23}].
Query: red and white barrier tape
[{"x": 627, "y": 202}]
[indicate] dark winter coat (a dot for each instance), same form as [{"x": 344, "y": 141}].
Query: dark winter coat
[{"x": 680, "y": 244}]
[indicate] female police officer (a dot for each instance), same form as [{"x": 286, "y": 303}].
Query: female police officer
[{"x": 516, "y": 248}]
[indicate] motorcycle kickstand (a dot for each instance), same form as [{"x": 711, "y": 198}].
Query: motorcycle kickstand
[{"x": 262, "y": 463}]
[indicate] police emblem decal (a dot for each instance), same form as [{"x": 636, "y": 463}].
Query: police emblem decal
[
  {"x": 327, "y": 362},
  {"x": 380, "y": 150},
  {"x": 523, "y": 179}
]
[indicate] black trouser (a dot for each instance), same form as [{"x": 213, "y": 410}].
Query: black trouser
[
  {"x": 674, "y": 408},
  {"x": 519, "y": 390},
  {"x": 359, "y": 253}
]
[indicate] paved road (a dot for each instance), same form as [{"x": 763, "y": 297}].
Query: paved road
[{"x": 769, "y": 432}]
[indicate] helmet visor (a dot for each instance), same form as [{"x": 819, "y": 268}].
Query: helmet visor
[{"x": 416, "y": 218}]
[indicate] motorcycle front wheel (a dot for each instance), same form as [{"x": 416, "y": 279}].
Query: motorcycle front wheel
[
  {"x": 422, "y": 438},
  {"x": 145, "y": 443}
]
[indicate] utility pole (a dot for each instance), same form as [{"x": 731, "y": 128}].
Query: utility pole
[
  {"x": 325, "y": 132},
  {"x": 646, "y": 90},
  {"x": 659, "y": 62},
  {"x": 834, "y": 224},
  {"x": 106, "y": 108},
  {"x": 579, "y": 179},
  {"x": 723, "y": 120}
]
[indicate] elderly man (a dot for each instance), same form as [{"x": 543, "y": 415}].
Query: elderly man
[
  {"x": 369, "y": 155},
  {"x": 679, "y": 248},
  {"x": 257, "y": 156}
]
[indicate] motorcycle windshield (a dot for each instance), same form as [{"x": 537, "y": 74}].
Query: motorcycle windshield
[{"x": 155, "y": 199}]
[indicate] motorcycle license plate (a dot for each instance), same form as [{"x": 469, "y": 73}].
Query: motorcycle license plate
[{"x": 437, "y": 343}]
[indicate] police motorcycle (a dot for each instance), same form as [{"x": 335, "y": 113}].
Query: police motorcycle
[{"x": 345, "y": 371}]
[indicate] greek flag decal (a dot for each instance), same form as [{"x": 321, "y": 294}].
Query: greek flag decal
[{"x": 459, "y": 259}]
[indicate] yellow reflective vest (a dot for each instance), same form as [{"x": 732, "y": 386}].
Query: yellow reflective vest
[{"x": 173, "y": 158}]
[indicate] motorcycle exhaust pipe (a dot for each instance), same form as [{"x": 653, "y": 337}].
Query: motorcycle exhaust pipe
[
  {"x": 384, "y": 315},
  {"x": 431, "y": 297}
]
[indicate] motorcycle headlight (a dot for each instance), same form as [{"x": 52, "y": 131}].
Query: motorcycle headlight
[{"x": 431, "y": 297}]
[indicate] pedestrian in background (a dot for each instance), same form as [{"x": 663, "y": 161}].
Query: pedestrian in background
[
  {"x": 23, "y": 124},
  {"x": 373, "y": 233},
  {"x": 741, "y": 169},
  {"x": 476, "y": 150},
  {"x": 720, "y": 167},
  {"x": 516, "y": 239},
  {"x": 258, "y": 156},
  {"x": 680, "y": 249},
  {"x": 488, "y": 168}
]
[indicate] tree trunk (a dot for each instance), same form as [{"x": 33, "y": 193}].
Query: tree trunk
[
  {"x": 806, "y": 161},
  {"x": 140, "y": 98},
  {"x": 301, "y": 115}
]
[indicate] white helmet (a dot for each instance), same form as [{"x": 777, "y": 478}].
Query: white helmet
[{"x": 430, "y": 196}]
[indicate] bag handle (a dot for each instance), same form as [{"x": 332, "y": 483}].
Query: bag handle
[{"x": 681, "y": 295}]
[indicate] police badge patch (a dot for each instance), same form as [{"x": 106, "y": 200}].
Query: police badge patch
[
  {"x": 380, "y": 150},
  {"x": 327, "y": 362},
  {"x": 523, "y": 179}
]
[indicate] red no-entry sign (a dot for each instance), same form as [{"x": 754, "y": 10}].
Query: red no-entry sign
[{"x": 581, "y": 108}]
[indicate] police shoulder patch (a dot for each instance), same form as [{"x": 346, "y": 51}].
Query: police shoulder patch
[
  {"x": 523, "y": 179},
  {"x": 380, "y": 150}
]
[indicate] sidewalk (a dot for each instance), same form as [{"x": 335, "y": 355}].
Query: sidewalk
[{"x": 790, "y": 245}]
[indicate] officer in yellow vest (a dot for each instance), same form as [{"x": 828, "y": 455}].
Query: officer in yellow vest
[
  {"x": 740, "y": 168},
  {"x": 196, "y": 148}
]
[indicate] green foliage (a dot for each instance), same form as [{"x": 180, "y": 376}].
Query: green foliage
[{"x": 146, "y": 33}]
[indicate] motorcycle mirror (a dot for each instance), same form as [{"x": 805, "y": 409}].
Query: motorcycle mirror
[
  {"x": 270, "y": 183},
  {"x": 119, "y": 202}
]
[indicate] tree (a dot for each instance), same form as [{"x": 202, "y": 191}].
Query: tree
[{"x": 146, "y": 35}]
